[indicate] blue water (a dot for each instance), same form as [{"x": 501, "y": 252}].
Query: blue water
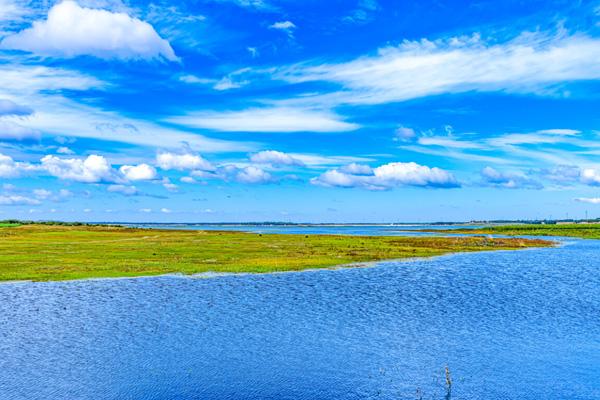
[
  {"x": 388, "y": 230},
  {"x": 509, "y": 325}
]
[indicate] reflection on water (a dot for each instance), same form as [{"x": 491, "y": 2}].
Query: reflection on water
[{"x": 509, "y": 325}]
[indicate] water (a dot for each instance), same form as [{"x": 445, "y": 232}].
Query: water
[
  {"x": 509, "y": 325},
  {"x": 387, "y": 230}
]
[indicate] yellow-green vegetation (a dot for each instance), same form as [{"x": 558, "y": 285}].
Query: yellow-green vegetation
[
  {"x": 586, "y": 231},
  {"x": 47, "y": 252}
]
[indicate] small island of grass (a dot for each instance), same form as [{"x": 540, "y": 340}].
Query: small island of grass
[{"x": 61, "y": 252}]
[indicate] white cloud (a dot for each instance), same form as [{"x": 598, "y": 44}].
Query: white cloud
[
  {"x": 531, "y": 63},
  {"x": 42, "y": 194},
  {"x": 448, "y": 141},
  {"x": 9, "y": 168},
  {"x": 356, "y": 169},
  {"x": 253, "y": 51},
  {"x": 273, "y": 119},
  {"x": 590, "y": 176},
  {"x": 167, "y": 184},
  {"x": 141, "y": 172},
  {"x": 64, "y": 150},
  {"x": 14, "y": 200},
  {"x": 71, "y": 30},
  {"x": 565, "y": 132},
  {"x": 40, "y": 87},
  {"x": 145, "y": 210},
  {"x": 123, "y": 189},
  {"x": 253, "y": 174},
  {"x": 193, "y": 79},
  {"x": 10, "y": 10},
  {"x": 92, "y": 169},
  {"x": 285, "y": 26},
  {"x": 405, "y": 134},
  {"x": 166, "y": 210},
  {"x": 21, "y": 80},
  {"x": 231, "y": 173},
  {"x": 251, "y": 4},
  {"x": 275, "y": 158},
  {"x": 227, "y": 83},
  {"x": 590, "y": 200},
  {"x": 388, "y": 176},
  {"x": 181, "y": 162},
  {"x": 12, "y": 131},
  {"x": 509, "y": 180},
  {"x": 8, "y": 107}
]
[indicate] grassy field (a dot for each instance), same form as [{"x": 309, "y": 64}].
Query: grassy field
[
  {"x": 586, "y": 231},
  {"x": 39, "y": 252}
]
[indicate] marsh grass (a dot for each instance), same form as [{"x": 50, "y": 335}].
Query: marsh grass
[
  {"x": 54, "y": 252},
  {"x": 585, "y": 231}
]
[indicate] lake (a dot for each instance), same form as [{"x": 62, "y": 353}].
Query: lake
[{"x": 509, "y": 325}]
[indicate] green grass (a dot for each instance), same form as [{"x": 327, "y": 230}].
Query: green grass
[
  {"x": 585, "y": 231},
  {"x": 47, "y": 252}
]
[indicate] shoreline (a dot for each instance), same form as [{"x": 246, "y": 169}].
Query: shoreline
[{"x": 339, "y": 267}]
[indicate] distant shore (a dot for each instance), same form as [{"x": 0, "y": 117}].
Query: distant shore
[
  {"x": 64, "y": 252},
  {"x": 580, "y": 230}
]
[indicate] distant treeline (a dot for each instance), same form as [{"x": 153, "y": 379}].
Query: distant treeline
[{"x": 62, "y": 223}]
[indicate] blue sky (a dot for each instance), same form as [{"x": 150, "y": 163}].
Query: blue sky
[{"x": 280, "y": 110}]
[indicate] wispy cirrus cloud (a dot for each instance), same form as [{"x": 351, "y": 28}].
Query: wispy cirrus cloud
[
  {"x": 266, "y": 119},
  {"x": 530, "y": 63}
]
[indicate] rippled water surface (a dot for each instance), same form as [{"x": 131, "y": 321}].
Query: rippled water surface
[{"x": 509, "y": 325}]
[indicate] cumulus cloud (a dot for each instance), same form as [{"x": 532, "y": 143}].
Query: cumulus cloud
[
  {"x": 388, "y": 176},
  {"x": 92, "y": 169},
  {"x": 15, "y": 200},
  {"x": 509, "y": 180},
  {"x": 71, "y": 30},
  {"x": 44, "y": 194},
  {"x": 181, "y": 162},
  {"x": 356, "y": 169},
  {"x": 273, "y": 119},
  {"x": 590, "y": 176},
  {"x": 8, "y": 107},
  {"x": 275, "y": 158},
  {"x": 9, "y": 168},
  {"x": 253, "y": 174},
  {"x": 141, "y": 172}
]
